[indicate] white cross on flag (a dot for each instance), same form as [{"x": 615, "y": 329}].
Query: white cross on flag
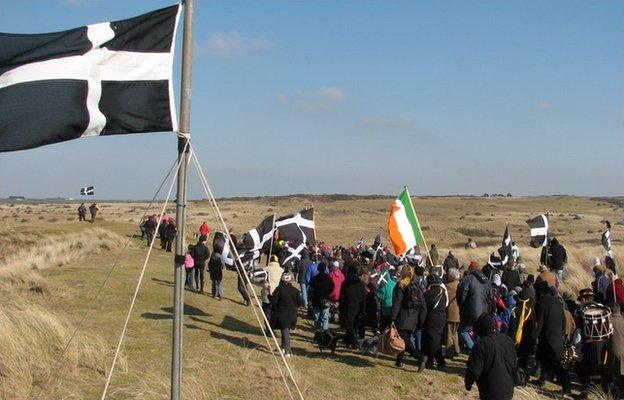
[{"x": 101, "y": 79}]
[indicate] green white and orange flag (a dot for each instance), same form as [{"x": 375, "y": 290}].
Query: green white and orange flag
[{"x": 403, "y": 225}]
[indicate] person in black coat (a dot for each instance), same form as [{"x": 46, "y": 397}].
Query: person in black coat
[
  {"x": 521, "y": 331},
  {"x": 436, "y": 300},
  {"x": 550, "y": 332},
  {"x": 408, "y": 311},
  {"x": 371, "y": 307},
  {"x": 284, "y": 303},
  {"x": 150, "y": 229},
  {"x": 170, "y": 233},
  {"x": 200, "y": 254},
  {"x": 215, "y": 270},
  {"x": 492, "y": 363},
  {"x": 351, "y": 306},
  {"x": 321, "y": 287}
]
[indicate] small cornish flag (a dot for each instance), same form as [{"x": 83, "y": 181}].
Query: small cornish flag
[
  {"x": 505, "y": 250},
  {"x": 102, "y": 79},
  {"x": 87, "y": 191},
  {"x": 539, "y": 230}
]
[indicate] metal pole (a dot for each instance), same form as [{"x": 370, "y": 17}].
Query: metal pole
[{"x": 183, "y": 157}]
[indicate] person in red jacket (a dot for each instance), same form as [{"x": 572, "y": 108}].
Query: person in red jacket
[{"x": 204, "y": 229}]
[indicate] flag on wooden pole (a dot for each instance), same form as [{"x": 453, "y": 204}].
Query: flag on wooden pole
[{"x": 403, "y": 225}]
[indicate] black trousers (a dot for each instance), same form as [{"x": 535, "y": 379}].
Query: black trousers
[
  {"x": 242, "y": 289},
  {"x": 198, "y": 271},
  {"x": 409, "y": 345}
]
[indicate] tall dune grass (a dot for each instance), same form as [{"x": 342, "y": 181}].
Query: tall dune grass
[
  {"x": 19, "y": 268},
  {"x": 32, "y": 339}
]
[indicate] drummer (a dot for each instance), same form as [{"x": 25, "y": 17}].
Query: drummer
[{"x": 589, "y": 368}]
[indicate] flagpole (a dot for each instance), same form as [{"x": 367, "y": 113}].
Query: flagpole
[
  {"x": 183, "y": 157},
  {"x": 271, "y": 247}
]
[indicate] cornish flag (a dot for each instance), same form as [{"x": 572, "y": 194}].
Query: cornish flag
[
  {"x": 221, "y": 248},
  {"x": 539, "y": 230},
  {"x": 505, "y": 250},
  {"x": 87, "y": 191},
  {"x": 495, "y": 261},
  {"x": 297, "y": 229},
  {"x": 103, "y": 79},
  {"x": 257, "y": 240},
  {"x": 606, "y": 240}
]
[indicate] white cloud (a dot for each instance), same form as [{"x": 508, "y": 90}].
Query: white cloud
[
  {"x": 325, "y": 98},
  {"x": 544, "y": 105},
  {"x": 225, "y": 45},
  {"x": 281, "y": 98},
  {"x": 387, "y": 121}
]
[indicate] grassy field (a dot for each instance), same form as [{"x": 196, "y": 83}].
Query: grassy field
[{"x": 51, "y": 267}]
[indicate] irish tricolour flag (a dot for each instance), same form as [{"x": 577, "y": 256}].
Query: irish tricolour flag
[{"x": 403, "y": 225}]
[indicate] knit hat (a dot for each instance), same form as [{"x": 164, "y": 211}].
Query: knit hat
[
  {"x": 473, "y": 266},
  {"x": 496, "y": 280},
  {"x": 335, "y": 264},
  {"x": 485, "y": 325}
]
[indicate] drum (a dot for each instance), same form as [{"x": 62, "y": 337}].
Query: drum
[{"x": 597, "y": 324}]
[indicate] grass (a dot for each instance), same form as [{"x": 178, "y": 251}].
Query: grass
[{"x": 225, "y": 354}]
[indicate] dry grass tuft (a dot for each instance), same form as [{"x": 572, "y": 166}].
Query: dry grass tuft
[
  {"x": 32, "y": 339},
  {"x": 18, "y": 268}
]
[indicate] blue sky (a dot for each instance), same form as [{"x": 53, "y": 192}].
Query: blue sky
[{"x": 447, "y": 97}]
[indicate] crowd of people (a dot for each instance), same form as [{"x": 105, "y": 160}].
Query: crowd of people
[
  {"x": 511, "y": 324},
  {"x": 516, "y": 328}
]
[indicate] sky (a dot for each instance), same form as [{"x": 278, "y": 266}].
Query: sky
[{"x": 364, "y": 97}]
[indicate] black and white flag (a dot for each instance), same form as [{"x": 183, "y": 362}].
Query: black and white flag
[
  {"x": 87, "y": 191},
  {"x": 495, "y": 261},
  {"x": 102, "y": 79},
  {"x": 257, "y": 240},
  {"x": 606, "y": 242},
  {"x": 297, "y": 229},
  {"x": 221, "y": 248},
  {"x": 506, "y": 251},
  {"x": 539, "y": 230}
]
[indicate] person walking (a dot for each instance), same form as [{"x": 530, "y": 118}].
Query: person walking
[
  {"x": 450, "y": 262},
  {"x": 321, "y": 287},
  {"x": 351, "y": 307},
  {"x": 550, "y": 323},
  {"x": 302, "y": 271},
  {"x": 492, "y": 363},
  {"x": 150, "y": 229},
  {"x": 170, "y": 233},
  {"x": 436, "y": 301},
  {"x": 200, "y": 255},
  {"x": 408, "y": 312},
  {"x": 284, "y": 303},
  {"x": 215, "y": 270},
  {"x": 82, "y": 212},
  {"x": 521, "y": 331},
  {"x": 385, "y": 292},
  {"x": 474, "y": 297},
  {"x": 204, "y": 229},
  {"x": 452, "y": 314},
  {"x": 93, "y": 209},
  {"x": 433, "y": 253}
]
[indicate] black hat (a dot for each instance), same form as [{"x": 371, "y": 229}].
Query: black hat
[
  {"x": 485, "y": 325},
  {"x": 584, "y": 293}
]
